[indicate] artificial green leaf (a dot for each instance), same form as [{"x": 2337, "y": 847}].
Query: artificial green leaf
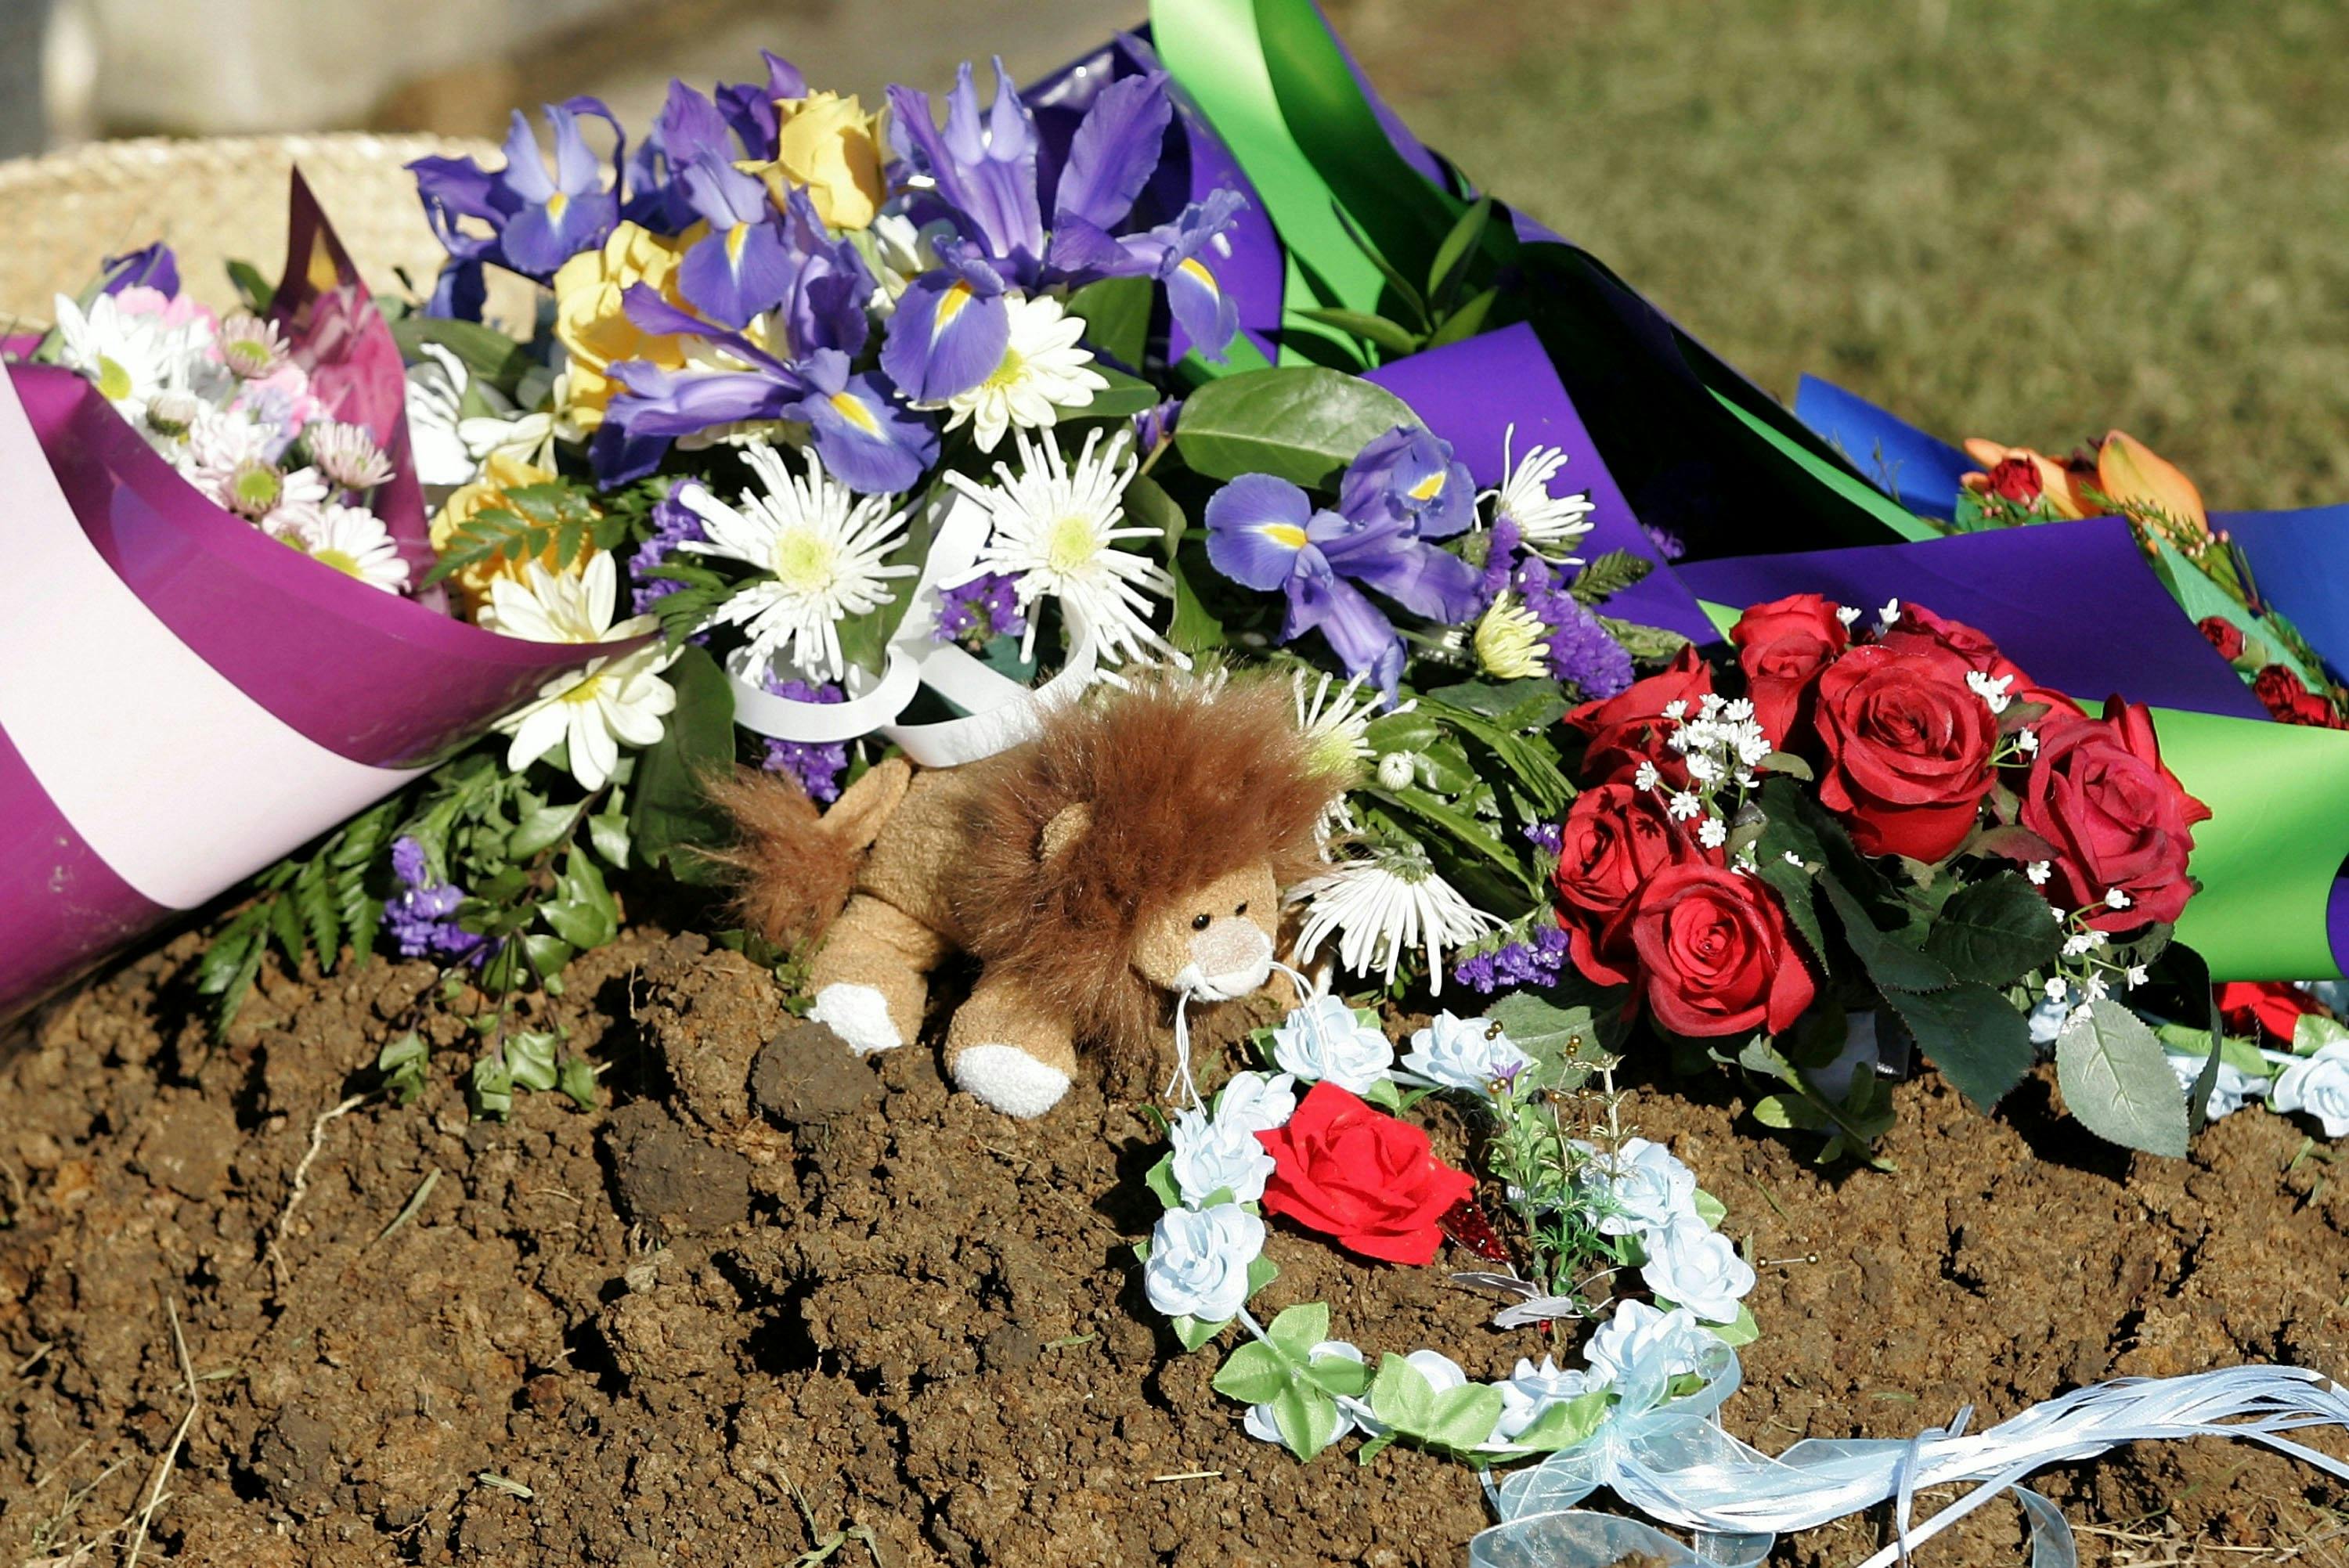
[
  {"x": 1125, "y": 397},
  {"x": 1400, "y": 1396},
  {"x": 1374, "y": 329},
  {"x": 670, "y": 812},
  {"x": 2117, "y": 1082},
  {"x": 1710, "y": 1209},
  {"x": 1300, "y": 423},
  {"x": 1298, "y": 1329},
  {"x": 1463, "y": 1418},
  {"x": 258, "y": 293},
  {"x": 1995, "y": 931},
  {"x": 1384, "y": 1095},
  {"x": 1566, "y": 1423},
  {"x": 1740, "y": 1330},
  {"x": 401, "y": 1063},
  {"x": 1562, "y": 1041},
  {"x": 1306, "y": 1419},
  {"x": 1116, "y": 312},
  {"x": 575, "y": 1079},
  {"x": 1192, "y": 1333},
  {"x": 1534, "y": 702},
  {"x": 530, "y": 1059},
  {"x": 1607, "y": 575},
  {"x": 1161, "y": 1180},
  {"x": 488, "y": 354},
  {"x": 543, "y": 829},
  {"x": 1253, "y": 1374},
  {"x": 1465, "y": 322},
  {"x": 492, "y": 1090},
  {"x": 1338, "y": 1375},
  {"x": 1262, "y": 1272},
  {"x": 608, "y": 831},
  {"x": 1892, "y": 966},
  {"x": 583, "y": 911},
  {"x": 1973, "y": 1034},
  {"x": 1793, "y": 885},
  {"x": 1458, "y": 246}
]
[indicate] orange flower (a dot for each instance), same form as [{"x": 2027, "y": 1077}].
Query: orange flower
[{"x": 2146, "y": 487}]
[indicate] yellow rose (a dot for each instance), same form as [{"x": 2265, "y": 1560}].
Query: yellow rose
[
  {"x": 469, "y": 585},
  {"x": 592, "y": 325},
  {"x": 830, "y": 147}
]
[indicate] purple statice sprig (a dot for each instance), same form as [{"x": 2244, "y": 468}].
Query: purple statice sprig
[
  {"x": 977, "y": 612},
  {"x": 1531, "y": 956},
  {"x": 673, "y": 523},
  {"x": 1583, "y": 654},
  {"x": 420, "y": 917},
  {"x": 817, "y": 765}
]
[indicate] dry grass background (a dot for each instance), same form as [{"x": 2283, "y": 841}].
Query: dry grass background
[{"x": 2031, "y": 219}]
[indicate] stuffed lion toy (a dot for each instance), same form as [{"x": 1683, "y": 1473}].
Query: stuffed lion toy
[{"x": 1132, "y": 852}]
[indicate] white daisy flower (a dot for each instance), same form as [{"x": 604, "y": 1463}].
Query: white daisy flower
[
  {"x": 589, "y": 711},
  {"x": 1548, "y": 523},
  {"x": 1042, "y": 371},
  {"x": 822, "y": 548},
  {"x": 354, "y": 542},
  {"x": 1055, "y": 529},
  {"x": 346, "y": 455},
  {"x": 130, "y": 357},
  {"x": 1380, "y": 906},
  {"x": 250, "y": 347}
]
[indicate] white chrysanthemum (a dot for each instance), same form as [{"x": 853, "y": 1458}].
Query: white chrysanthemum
[
  {"x": 822, "y": 550},
  {"x": 1512, "y": 642},
  {"x": 346, "y": 455},
  {"x": 131, "y": 357},
  {"x": 1042, "y": 371},
  {"x": 354, "y": 542},
  {"x": 1336, "y": 728},
  {"x": 1055, "y": 531},
  {"x": 1381, "y": 907},
  {"x": 588, "y": 711},
  {"x": 1548, "y": 523}
]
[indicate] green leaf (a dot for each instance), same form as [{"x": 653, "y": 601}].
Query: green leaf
[
  {"x": 1116, "y": 312},
  {"x": 547, "y": 955},
  {"x": 1262, "y": 1272},
  {"x": 1400, "y": 1396},
  {"x": 485, "y": 351},
  {"x": 577, "y": 1079},
  {"x": 1793, "y": 885},
  {"x": 1253, "y": 1373},
  {"x": 1465, "y": 322},
  {"x": 491, "y": 1089},
  {"x": 1374, "y": 329},
  {"x": 401, "y": 1063},
  {"x": 1532, "y": 703},
  {"x": 670, "y": 812},
  {"x": 257, "y": 292},
  {"x": 1710, "y": 1209},
  {"x": 1300, "y": 423},
  {"x": 543, "y": 829},
  {"x": 1465, "y": 1416},
  {"x": 1192, "y": 1333},
  {"x": 1566, "y": 1423},
  {"x": 1995, "y": 931},
  {"x": 1125, "y": 397},
  {"x": 1298, "y": 1329},
  {"x": 608, "y": 831},
  {"x": 1337, "y": 1375},
  {"x": 1892, "y": 966},
  {"x": 583, "y": 911},
  {"x": 1607, "y": 575},
  {"x": 1562, "y": 1041},
  {"x": 1308, "y": 1419},
  {"x": 1974, "y": 1035},
  {"x": 1740, "y": 1330},
  {"x": 530, "y": 1059},
  {"x": 2119, "y": 1083},
  {"x": 1161, "y": 1180},
  {"x": 1385, "y": 1095},
  {"x": 1467, "y": 233}
]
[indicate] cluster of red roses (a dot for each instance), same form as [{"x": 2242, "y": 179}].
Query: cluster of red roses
[
  {"x": 2283, "y": 694},
  {"x": 1904, "y": 730}
]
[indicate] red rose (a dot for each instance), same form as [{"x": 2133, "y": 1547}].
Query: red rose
[
  {"x": 1354, "y": 1172},
  {"x": 2287, "y": 701},
  {"x": 1716, "y": 954},
  {"x": 1908, "y": 746},
  {"x": 1919, "y": 627},
  {"x": 2275, "y": 1005},
  {"x": 1614, "y": 838},
  {"x": 1630, "y": 727},
  {"x": 2118, "y": 817},
  {"x": 2016, "y": 480},
  {"x": 2222, "y": 635},
  {"x": 1782, "y": 646}
]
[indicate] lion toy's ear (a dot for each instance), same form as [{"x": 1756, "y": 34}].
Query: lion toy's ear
[{"x": 1067, "y": 825}]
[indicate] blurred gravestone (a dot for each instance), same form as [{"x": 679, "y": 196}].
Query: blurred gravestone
[{"x": 24, "y": 122}]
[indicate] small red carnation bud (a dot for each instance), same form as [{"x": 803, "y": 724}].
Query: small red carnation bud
[
  {"x": 2223, "y": 634},
  {"x": 2016, "y": 480},
  {"x": 1465, "y": 1223}
]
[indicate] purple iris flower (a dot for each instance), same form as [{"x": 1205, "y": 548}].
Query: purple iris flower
[
  {"x": 154, "y": 268},
  {"x": 1263, "y": 533},
  {"x": 1411, "y": 474},
  {"x": 742, "y": 267},
  {"x": 951, "y": 328},
  {"x": 537, "y": 221},
  {"x": 749, "y": 106},
  {"x": 869, "y": 440},
  {"x": 986, "y": 179},
  {"x": 688, "y": 126}
]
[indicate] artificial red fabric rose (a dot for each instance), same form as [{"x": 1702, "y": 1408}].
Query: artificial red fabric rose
[
  {"x": 1349, "y": 1170},
  {"x": 1716, "y": 954},
  {"x": 1615, "y": 838},
  {"x": 2289, "y": 701},
  {"x": 2118, "y": 817},
  {"x": 2275, "y": 1005},
  {"x": 1919, "y": 627},
  {"x": 1630, "y": 727},
  {"x": 2016, "y": 480},
  {"x": 2222, "y": 635},
  {"x": 1782, "y": 646},
  {"x": 1907, "y": 747}
]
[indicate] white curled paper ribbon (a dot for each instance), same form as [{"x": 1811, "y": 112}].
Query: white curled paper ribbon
[
  {"x": 999, "y": 712},
  {"x": 1674, "y": 1464}
]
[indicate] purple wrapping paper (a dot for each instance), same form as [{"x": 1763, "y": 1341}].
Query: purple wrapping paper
[
  {"x": 2074, "y": 603},
  {"x": 1470, "y": 393}
]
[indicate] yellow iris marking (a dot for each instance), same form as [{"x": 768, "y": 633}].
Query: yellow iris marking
[
  {"x": 556, "y": 205},
  {"x": 1288, "y": 535},
  {"x": 854, "y": 410},
  {"x": 950, "y": 305},
  {"x": 1429, "y": 488},
  {"x": 736, "y": 237},
  {"x": 1189, "y": 267}
]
